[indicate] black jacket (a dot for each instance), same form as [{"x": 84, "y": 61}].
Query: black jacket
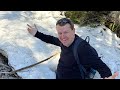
[{"x": 67, "y": 67}]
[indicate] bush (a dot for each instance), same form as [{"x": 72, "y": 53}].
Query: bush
[
  {"x": 93, "y": 19},
  {"x": 87, "y": 17},
  {"x": 76, "y": 16}
]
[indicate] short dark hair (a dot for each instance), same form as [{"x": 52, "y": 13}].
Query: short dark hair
[{"x": 65, "y": 21}]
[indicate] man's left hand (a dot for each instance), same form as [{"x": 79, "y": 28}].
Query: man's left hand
[{"x": 113, "y": 76}]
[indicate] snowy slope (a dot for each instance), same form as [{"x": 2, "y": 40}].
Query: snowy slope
[{"x": 22, "y": 49}]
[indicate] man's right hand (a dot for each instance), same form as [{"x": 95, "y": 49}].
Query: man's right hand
[{"x": 32, "y": 30}]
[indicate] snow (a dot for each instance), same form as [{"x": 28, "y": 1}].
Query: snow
[{"x": 22, "y": 49}]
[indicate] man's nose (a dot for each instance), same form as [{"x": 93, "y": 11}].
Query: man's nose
[{"x": 63, "y": 35}]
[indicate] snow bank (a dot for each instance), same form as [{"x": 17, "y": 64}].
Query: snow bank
[{"x": 22, "y": 49}]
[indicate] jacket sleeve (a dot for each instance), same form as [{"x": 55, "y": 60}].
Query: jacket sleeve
[
  {"x": 90, "y": 59},
  {"x": 48, "y": 38}
]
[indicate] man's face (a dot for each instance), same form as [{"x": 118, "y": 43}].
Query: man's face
[{"x": 65, "y": 34}]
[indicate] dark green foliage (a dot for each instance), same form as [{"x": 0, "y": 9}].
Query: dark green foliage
[
  {"x": 76, "y": 16},
  {"x": 87, "y": 17},
  {"x": 93, "y": 19}
]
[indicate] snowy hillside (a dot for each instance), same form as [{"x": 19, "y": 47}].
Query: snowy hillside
[{"x": 22, "y": 49}]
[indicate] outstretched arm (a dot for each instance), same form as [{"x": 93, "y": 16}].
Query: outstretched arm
[
  {"x": 46, "y": 38},
  {"x": 89, "y": 58}
]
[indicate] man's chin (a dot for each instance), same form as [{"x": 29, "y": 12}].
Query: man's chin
[{"x": 65, "y": 44}]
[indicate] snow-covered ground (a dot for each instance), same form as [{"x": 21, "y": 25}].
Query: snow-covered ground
[{"x": 22, "y": 49}]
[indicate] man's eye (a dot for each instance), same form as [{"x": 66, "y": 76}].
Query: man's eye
[
  {"x": 59, "y": 33},
  {"x": 66, "y": 32}
]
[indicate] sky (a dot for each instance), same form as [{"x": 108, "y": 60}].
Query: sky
[{"x": 22, "y": 49}]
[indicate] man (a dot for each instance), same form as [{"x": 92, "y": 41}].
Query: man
[{"x": 67, "y": 67}]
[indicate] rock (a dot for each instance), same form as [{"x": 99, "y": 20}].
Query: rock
[{"x": 4, "y": 67}]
